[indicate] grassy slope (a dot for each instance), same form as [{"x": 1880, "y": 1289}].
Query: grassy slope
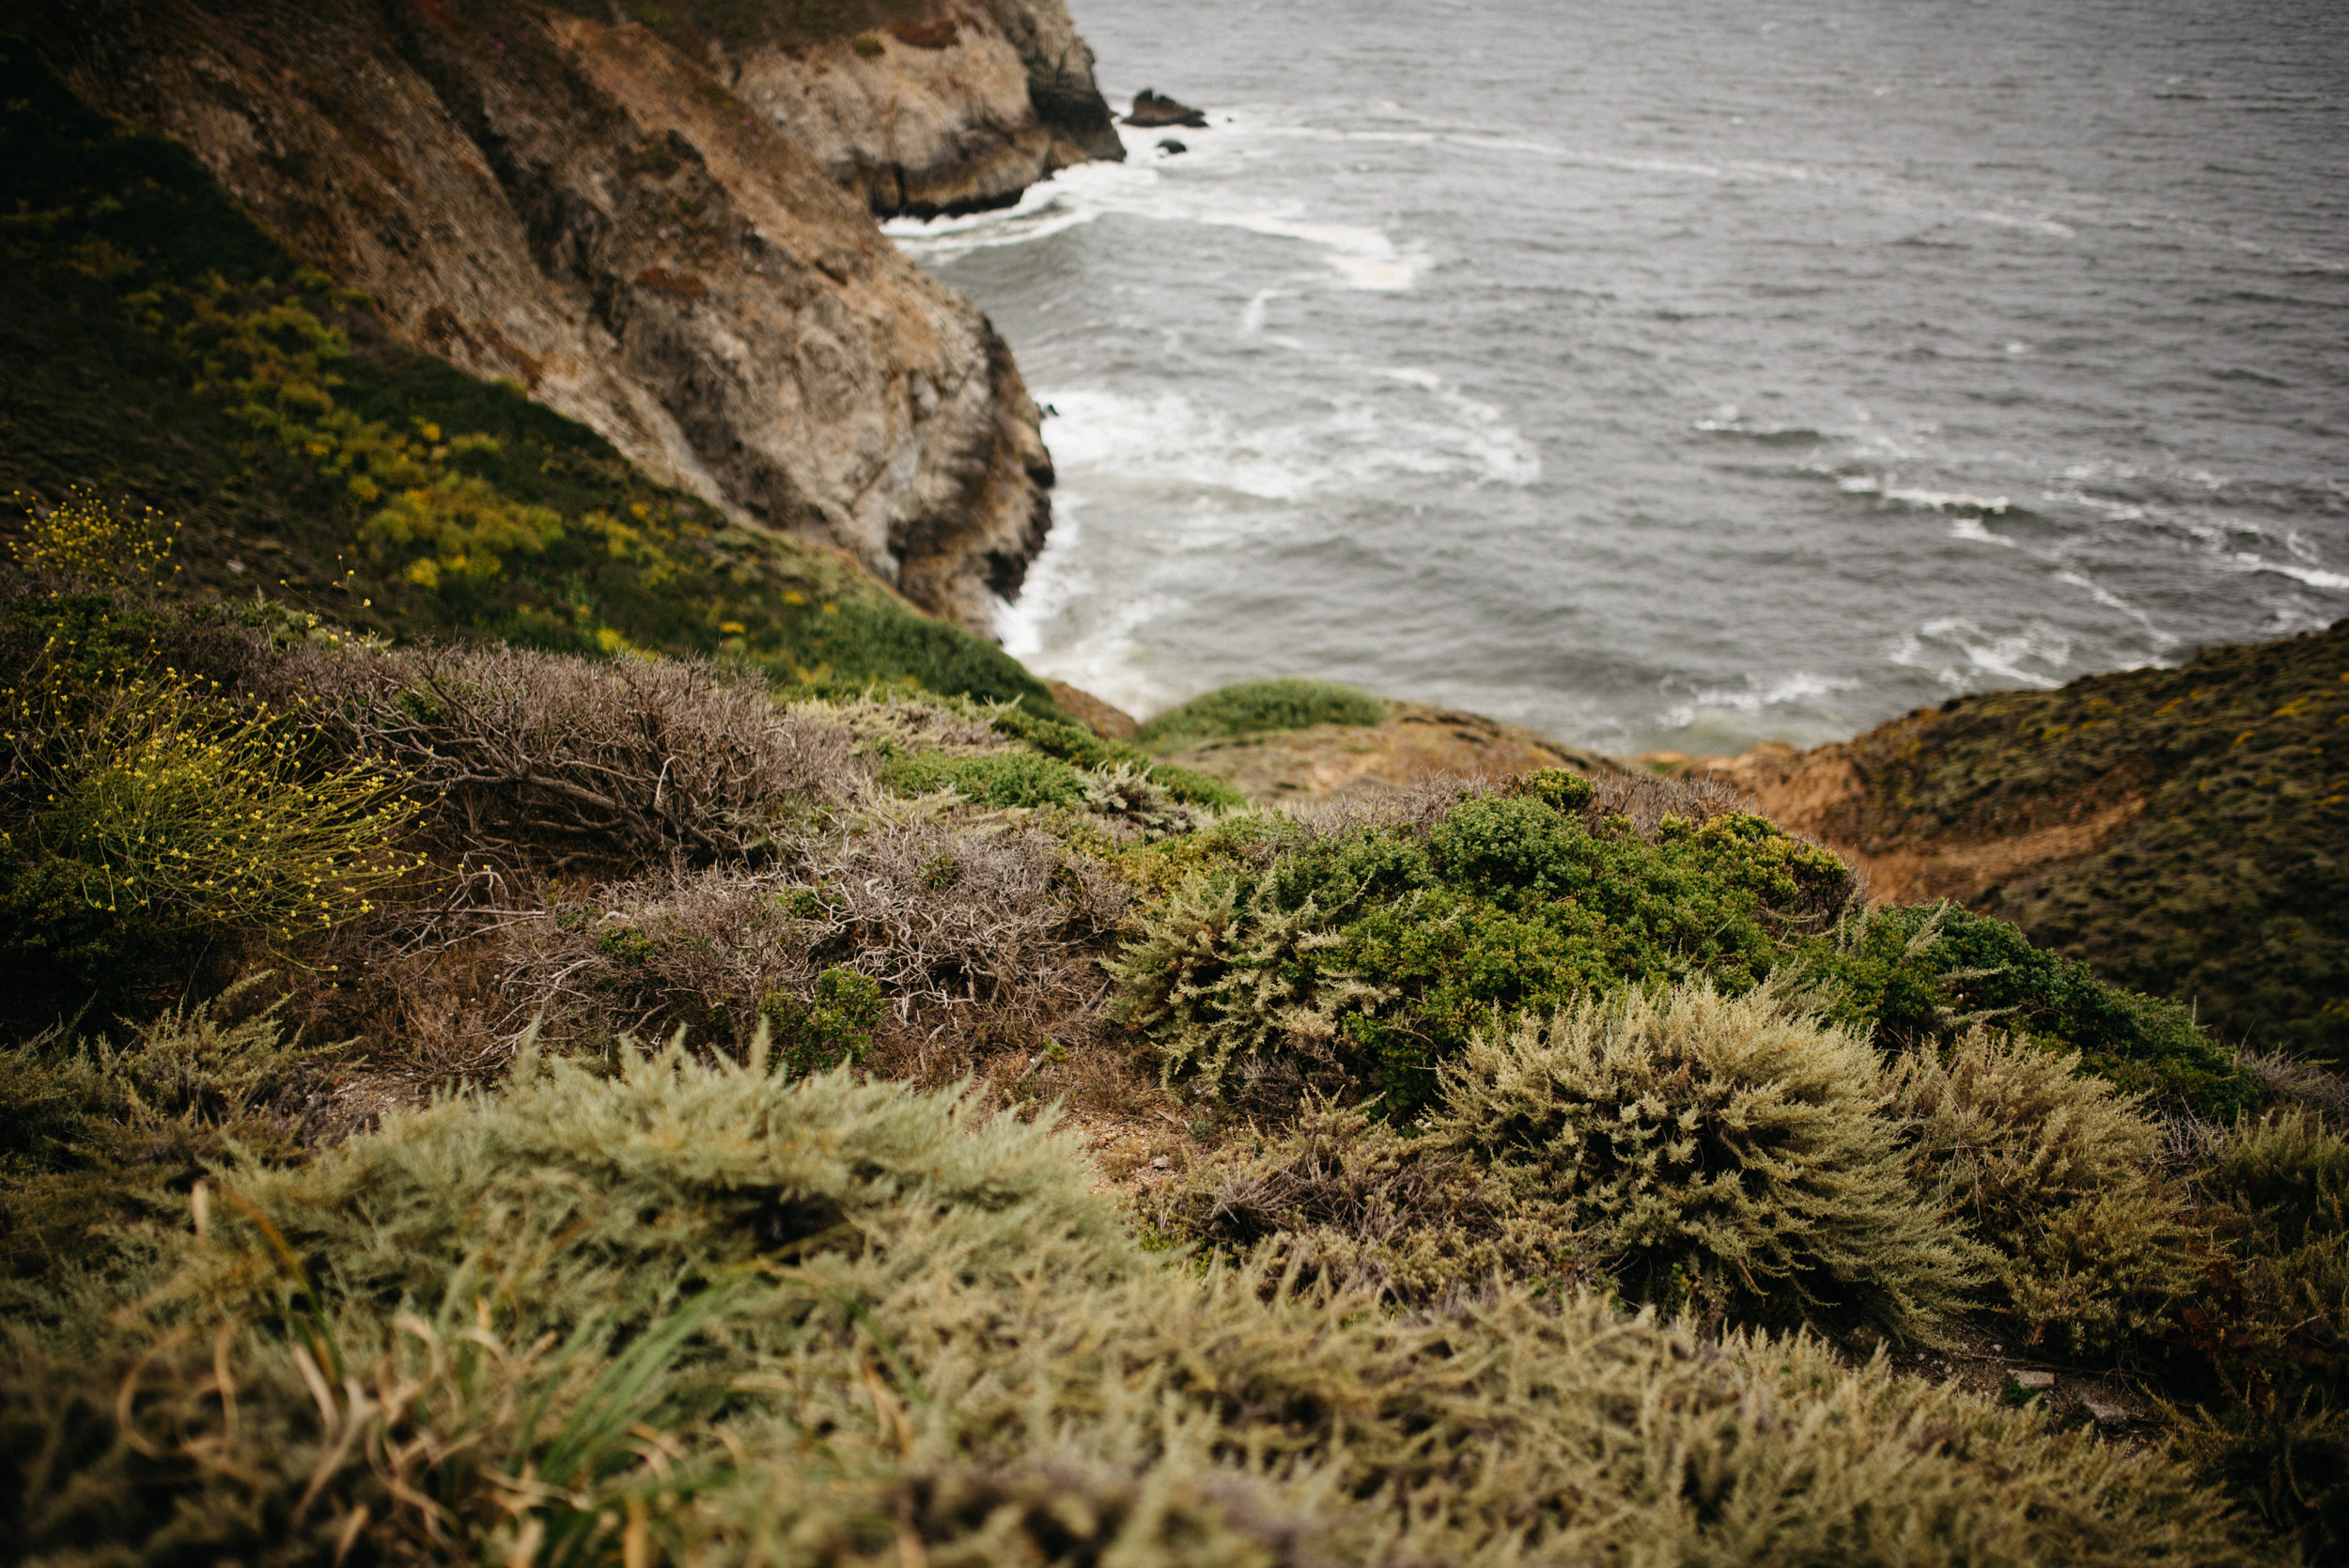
[
  {"x": 162, "y": 349},
  {"x": 2229, "y": 889}
]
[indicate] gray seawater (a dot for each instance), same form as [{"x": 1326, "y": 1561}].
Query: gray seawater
[{"x": 1689, "y": 375}]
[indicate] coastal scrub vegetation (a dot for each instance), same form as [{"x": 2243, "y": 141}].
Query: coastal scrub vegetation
[
  {"x": 1549, "y": 1143},
  {"x": 535, "y": 1040}
]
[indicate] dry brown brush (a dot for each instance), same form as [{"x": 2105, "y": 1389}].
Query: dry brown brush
[
  {"x": 962, "y": 927},
  {"x": 573, "y": 762}
]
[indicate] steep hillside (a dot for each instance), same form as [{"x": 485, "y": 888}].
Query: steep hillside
[
  {"x": 161, "y": 346},
  {"x": 581, "y": 210},
  {"x": 2182, "y": 830}
]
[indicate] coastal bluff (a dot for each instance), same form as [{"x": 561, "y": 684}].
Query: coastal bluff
[{"x": 579, "y": 205}]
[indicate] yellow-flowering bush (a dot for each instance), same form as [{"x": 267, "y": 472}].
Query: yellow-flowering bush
[
  {"x": 154, "y": 816},
  {"x": 85, "y": 536}
]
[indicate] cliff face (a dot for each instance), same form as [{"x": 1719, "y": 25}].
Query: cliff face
[
  {"x": 581, "y": 209},
  {"x": 951, "y": 109}
]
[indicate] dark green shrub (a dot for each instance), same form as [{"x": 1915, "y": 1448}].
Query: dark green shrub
[
  {"x": 1370, "y": 955},
  {"x": 1260, "y": 705},
  {"x": 1924, "y": 973},
  {"x": 831, "y": 1028},
  {"x": 1725, "y": 1152},
  {"x": 2273, "y": 1325}
]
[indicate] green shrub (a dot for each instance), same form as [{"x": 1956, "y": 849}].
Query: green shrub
[
  {"x": 2273, "y": 1328},
  {"x": 1260, "y": 705},
  {"x": 833, "y": 1028},
  {"x": 2059, "y": 1175},
  {"x": 508, "y": 1318},
  {"x": 1729, "y": 1150},
  {"x": 1924, "y": 973},
  {"x": 94, "y": 1134},
  {"x": 1018, "y": 778},
  {"x": 1076, "y": 744},
  {"x": 1369, "y": 955}
]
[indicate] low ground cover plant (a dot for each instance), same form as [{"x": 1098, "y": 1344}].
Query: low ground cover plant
[{"x": 1252, "y": 706}]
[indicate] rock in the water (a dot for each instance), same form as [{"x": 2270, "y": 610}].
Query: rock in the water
[
  {"x": 1169, "y": 146},
  {"x": 1152, "y": 109}
]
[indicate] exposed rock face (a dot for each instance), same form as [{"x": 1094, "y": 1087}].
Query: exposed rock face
[
  {"x": 958, "y": 110},
  {"x": 581, "y": 209}
]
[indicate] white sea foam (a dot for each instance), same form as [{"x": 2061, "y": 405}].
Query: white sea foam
[
  {"x": 1971, "y": 528},
  {"x": 1064, "y": 627},
  {"x": 1889, "y": 487},
  {"x": 1165, "y": 440},
  {"x": 1757, "y": 696},
  {"x": 2007, "y": 657},
  {"x": 1361, "y": 256},
  {"x": 2314, "y": 577}
]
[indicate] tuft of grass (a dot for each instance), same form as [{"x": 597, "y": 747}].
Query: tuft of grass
[{"x": 1287, "y": 704}]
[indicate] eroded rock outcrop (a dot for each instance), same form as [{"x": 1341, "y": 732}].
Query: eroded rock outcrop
[
  {"x": 582, "y": 208},
  {"x": 958, "y": 108}
]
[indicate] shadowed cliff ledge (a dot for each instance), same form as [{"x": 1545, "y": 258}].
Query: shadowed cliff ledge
[{"x": 581, "y": 208}]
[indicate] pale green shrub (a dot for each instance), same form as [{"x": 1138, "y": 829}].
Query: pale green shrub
[
  {"x": 1734, "y": 1148},
  {"x": 693, "y": 1314},
  {"x": 2058, "y": 1171},
  {"x": 1222, "y": 972}
]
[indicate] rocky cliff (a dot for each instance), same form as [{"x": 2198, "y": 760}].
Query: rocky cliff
[
  {"x": 582, "y": 208},
  {"x": 944, "y": 109}
]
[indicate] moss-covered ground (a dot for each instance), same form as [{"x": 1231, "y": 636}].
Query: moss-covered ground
[{"x": 2227, "y": 889}]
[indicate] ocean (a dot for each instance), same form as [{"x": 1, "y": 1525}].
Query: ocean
[{"x": 1685, "y": 376}]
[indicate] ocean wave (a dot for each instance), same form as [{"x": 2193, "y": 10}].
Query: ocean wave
[
  {"x": 1797, "y": 689},
  {"x": 1887, "y": 488},
  {"x": 2005, "y": 655},
  {"x": 1768, "y": 435},
  {"x": 2314, "y": 577},
  {"x": 1360, "y": 255},
  {"x": 1165, "y": 439}
]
